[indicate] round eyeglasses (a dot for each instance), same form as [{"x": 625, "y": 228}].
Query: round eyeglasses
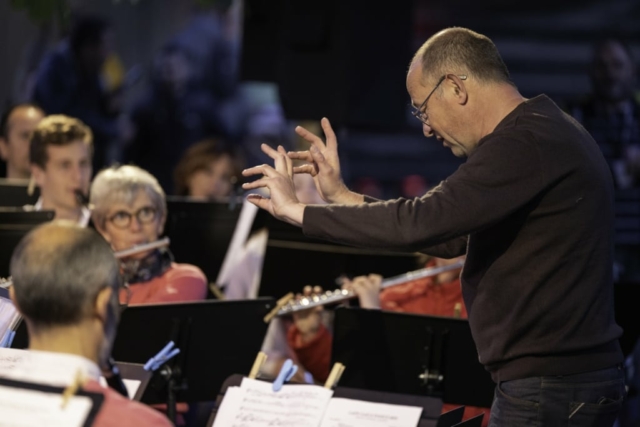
[{"x": 144, "y": 215}]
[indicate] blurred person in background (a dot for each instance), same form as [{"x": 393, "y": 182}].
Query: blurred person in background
[
  {"x": 16, "y": 127},
  {"x": 70, "y": 81},
  {"x": 207, "y": 171},
  {"x": 611, "y": 113},
  {"x": 174, "y": 114}
]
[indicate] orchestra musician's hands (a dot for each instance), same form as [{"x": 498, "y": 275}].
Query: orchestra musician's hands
[
  {"x": 282, "y": 203},
  {"x": 367, "y": 288},
  {"x": 323, "y": 165},
  {"x": 308, "y": 322}
]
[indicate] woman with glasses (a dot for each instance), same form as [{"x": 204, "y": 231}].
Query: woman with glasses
[{"x": 129, "y": 209}]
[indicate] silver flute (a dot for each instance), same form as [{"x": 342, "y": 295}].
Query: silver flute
[
  {"x": 339, "y": 295},
  {"x": 142, "y": 248}
]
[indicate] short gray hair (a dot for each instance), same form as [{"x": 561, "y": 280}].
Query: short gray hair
[
  {"x": 121, "y": 184},
  {"x": 58, "y": 269}
]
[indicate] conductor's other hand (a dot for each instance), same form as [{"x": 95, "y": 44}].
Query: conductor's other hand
[
  {"x": 367, "y": 288},
  {"x": 282, "y": 202},
  {"x": 308, "y": 322},
  {"x": 323, "y": 165}
]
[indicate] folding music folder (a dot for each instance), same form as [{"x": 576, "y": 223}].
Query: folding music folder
[
  {"x": 215, "y": 338},
  {"x": 25, "y": 403},
  {"x": 15, "y": 223},
  {"x": 451, "y": 418},
  {"x": 410, "y": 354}
]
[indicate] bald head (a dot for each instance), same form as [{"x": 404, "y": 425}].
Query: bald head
[
  {"x": 459, "y": 50},
  {"x": 58, "y": 269}
]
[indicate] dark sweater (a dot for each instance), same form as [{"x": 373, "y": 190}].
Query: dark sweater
[{"x": 533, "y": 208}]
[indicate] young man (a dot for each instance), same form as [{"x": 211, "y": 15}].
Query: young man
[
  {"x": 532, "y": 210},
  {"x": 65, "y": 284},
  {"x": 16, "y": 126},
  {"x": 60, "y": 154}
]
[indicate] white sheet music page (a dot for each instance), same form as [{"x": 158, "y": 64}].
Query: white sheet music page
[
  {"x": 356, "y": 413},
  {"x": 255, "y": 404},
  {"x": 28, "y": 408}
]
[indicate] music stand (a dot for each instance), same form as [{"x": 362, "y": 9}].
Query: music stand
[
  {"x": 200, "y": 232},
  {"x": 14, "y": 224},
  {"x": 215, "y": 338},
  {"x": 410, "y": 354},
  {"x": 318, "y": 262},
  {"x": 14, "y": 193}
]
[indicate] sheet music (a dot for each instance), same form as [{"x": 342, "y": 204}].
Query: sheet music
[
  {"x": 29, "y": 408},
  {"x": 240, "y": 234},
  {"x": 255, "y": 404},
  {"x": 9, "y": 317},
  {"x": 357, "y": 413}
]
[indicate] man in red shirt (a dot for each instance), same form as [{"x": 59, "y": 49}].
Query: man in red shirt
[{"x": 65, "y": 284}]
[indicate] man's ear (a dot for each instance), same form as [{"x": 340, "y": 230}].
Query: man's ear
[
  {"x": 102, "y": 303},
  {"x": 12, "y": 295},
  {"x": 38, "y": 175},
  {"x": 4, "y": 149},
  {"x": 458, "y": 88}
]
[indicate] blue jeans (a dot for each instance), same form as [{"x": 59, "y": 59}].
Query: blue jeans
[{"x": 589, "y": 399}]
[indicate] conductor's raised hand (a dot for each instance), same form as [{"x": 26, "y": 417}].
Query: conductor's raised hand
[
  {"x": 323, "y": 165},
  {"x": 282, "y": 202}
]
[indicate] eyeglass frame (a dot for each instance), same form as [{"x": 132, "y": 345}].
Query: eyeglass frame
[
  {"x": 422, "y": 115},
  {"x": 131, "y": 215}
]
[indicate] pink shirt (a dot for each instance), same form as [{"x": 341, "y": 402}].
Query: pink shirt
[
  {"x": 116, "y": 411},
  {"x": 180, "y": 283}
]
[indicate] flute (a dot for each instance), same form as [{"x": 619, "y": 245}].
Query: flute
[
  {"x": 339, "y": 295},
  {"x": 142, "y": 248}
]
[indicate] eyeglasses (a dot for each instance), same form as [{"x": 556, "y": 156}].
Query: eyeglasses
[
  {"x": 420, "y": 113},
  {"x": 144, "y": 215}
]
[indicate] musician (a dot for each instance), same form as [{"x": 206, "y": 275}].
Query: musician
[
  {"x": 130, "y": 209},
  {"x": 60, "y": 153},
  {"x": 65, "y": 284},
  {"x": 16, "y": 127},
  {"x": 206, "y": 171},
  {"x": 531, "y": 208},
  {"x": 439, "y": 295}
]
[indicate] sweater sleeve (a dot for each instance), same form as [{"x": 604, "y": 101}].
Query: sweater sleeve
[
  {"x": 501, "y": 176},
  {"x": 182, "y": 283},
  {"x": 314, "y": 355}
]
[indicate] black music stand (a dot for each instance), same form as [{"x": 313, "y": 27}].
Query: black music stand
[
  {"x": 293, "y": 260},
  {"x": 410, "y": 354},
  {"x": 471, "y": 422},
  {"x": 200, "y": 232},
  {"x": 14, "y": 224},
  {"x": 215, "y": 338},
  {"x": 451, "y": 418},
  {"x": 14, "y": 193}
]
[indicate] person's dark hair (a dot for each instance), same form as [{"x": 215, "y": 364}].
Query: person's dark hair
[
  {"x": 58, "y": 269},
  {"x": 198, "y": 157},
  {"x": 87, "y": 30},
  {"x": 462, "y": 51},
  {"x": 4, "y": 119},
  {"x": 57, "y": 130}
]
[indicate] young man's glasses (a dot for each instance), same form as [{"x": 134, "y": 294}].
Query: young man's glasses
[{"x": 420, "y": 113}]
